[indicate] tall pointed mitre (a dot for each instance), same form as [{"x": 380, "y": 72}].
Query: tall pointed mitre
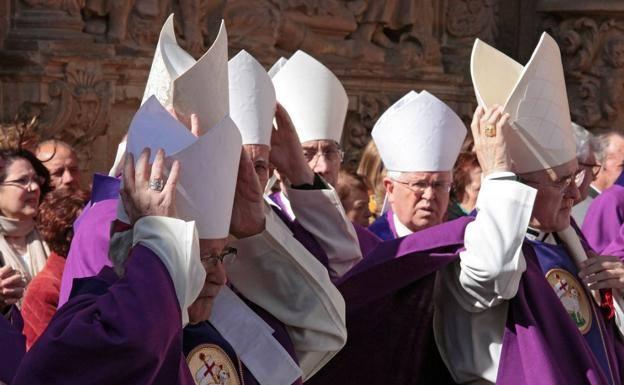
[
  {"x": 209, "y": 164},
  {"x": 178, "y": 81},
  {"x": 419, "y": 133},
  {"x": 313, "y": 97},
  {"x": 277, "y": 66},
  {"x": 252, "y": 99},
  {"x": 535, "y": 98}
]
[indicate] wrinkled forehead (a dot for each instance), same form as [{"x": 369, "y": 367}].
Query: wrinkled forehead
[
  {"x": 322, "y": 144},
  {"x": 429, "y": 176},
  {"x": 55, "y": 152},
  {"x": 212, "y": 246}
]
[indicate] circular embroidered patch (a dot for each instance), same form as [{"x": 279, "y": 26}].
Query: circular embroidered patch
[
  {"x": 210, "y": 365},
  {"x": 572, "y": 296}
]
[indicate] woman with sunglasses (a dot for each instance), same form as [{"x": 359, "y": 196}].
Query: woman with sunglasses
[{"x": 23, "y": 183}]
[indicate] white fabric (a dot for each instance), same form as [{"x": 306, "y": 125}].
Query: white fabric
[
  {"x": 419, "y": 133},
  {"x": 116, "y": 167},
  {"x": 321, "y": 213},
  {"x": 470, "y": 294},
  {"x": 583, "y": 140},
  {"x": 536, "y": 99},
  {"x": 190, "y": 87},
  {"x": 252, "y": 99},
  {"x": 214, "y": 156},
  {"x": 400, "y": 228},
  {"x": 252, "y": 340},
  {"x": 313, "y": 96},
  {"x": 579, "y": 210},
  {"x": 277, "y": 273},
  {"x": 175, "y": 242}
]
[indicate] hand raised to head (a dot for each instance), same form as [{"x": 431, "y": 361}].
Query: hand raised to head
[
  {"x": 286, "y": 151},
  {"x": 489, "y": 131},
  {"x": 145, "y": 191},
  {"x": 248, "y": 211}
]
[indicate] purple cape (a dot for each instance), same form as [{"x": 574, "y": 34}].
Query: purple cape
[
  {"x": 12, "y": 344},
  {"x": 390, "y": 312},
  {"x": 541, "y": 343},
  {"x": 89, "y": 248},
  {"x": 605, "y": 217},
  {"x": 129, "y": 334},
  {"x": 367, "y": 240}
]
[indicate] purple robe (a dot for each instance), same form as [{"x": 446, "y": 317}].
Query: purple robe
[
  {"x": 605, "y": 217},
  {"x": 88, "y": 253},
  {"x": 12, "y": 344},
  {"x": 390, "y": 312},
  {"x": 128, "y": 334},
  {"x": 383, "y": 227},
  {"x": 367, "y": 240}
]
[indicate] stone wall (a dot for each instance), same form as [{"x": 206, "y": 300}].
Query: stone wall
[{"x": 81, "y": 65}]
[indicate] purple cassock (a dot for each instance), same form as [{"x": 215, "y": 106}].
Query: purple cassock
[
  {"x": 89, "y": 248},
  {"x": 389, "y": 319},
  {"x": 383, "y": 227},
  {"x": 12, "y": 344},
  {"x": 605, "y": 217},
  {"x": 127, "y": 333}
]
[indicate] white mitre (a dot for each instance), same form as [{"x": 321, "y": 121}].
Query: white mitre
[
  {"x": 313, "y": 97},
  {"x": 419, "y": 133},
  {"x": 252, "y": 99},
  {"x": 534, "y": 96},
  {"x": 277, "y": 66},
  {"x": 178, "y": 81},
  {"x": 209, "y": 164}
]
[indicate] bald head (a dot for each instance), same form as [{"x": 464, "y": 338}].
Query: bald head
[{"x": 62, "y": 163}]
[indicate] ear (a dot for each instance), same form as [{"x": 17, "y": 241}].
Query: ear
[{"x": 389, "y": 186}]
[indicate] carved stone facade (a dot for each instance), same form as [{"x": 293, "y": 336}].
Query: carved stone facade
[{"x": 81, "y": 65}]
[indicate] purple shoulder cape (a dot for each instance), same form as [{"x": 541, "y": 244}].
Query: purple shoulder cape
[
  {"x": 390, "y": 311},
  {"x": 12, "y": 344},
  {"x": 541, "y": 343},
  {"x": 130, "y": 334},
  {"x": 367, "y": 240},
  {"x": 88, "y": 253},
  {"x": 605, "y": 216}
]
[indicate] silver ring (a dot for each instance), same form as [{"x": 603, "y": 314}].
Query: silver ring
[{"x": 156, "y": 184}]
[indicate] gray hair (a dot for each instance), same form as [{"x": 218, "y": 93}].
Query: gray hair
[{"x": 603, "y": 139}]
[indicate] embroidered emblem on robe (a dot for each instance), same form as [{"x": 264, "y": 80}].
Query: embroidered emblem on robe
[
  {"x": 210, "y": 365},
  {"x": 572, "y": 297}
]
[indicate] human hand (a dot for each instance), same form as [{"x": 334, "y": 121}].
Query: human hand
[
  {"x": 602, "y": 272},
  {"x": 491, "y": 150},
  {"x": 12, "y": 286},
  {"x": 286, "y": 151},
  {"x": 144, "y": 191},
  {"x": 248, "y": 211}
]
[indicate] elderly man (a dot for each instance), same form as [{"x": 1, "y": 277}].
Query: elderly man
[
  {"x": 317, "y": 103},
  {"x": 586, "y": 148},
  {"x": 61, "y": 161},
  {"x": 610, "y": 157},
  {"x": 419, "y": 171}
]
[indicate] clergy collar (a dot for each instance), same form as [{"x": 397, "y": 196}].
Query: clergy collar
[
  {"x": 536, "y": 235},
  {"x": 400, "y": 228}
]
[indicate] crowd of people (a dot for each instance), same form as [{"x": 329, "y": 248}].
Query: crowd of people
[{"x": 227, "y": 245}]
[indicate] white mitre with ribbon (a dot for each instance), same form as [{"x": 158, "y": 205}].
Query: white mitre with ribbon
[
  {"x": 535, "y": 98},
  {"x": 209, "y": 164},
  {"x": 419, "y": 133},
  {"x": 313, "y": 97},
  {"x": 277, "y": 66},
  {"x": 178, "y": 81},
  {"x": 252, "y": 99}
]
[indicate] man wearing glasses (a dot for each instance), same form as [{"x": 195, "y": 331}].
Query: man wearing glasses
[
  {"x": 419, "y": 157},
  {"x": 586, "y": 148}
]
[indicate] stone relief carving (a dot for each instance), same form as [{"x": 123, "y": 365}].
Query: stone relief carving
[
  {"x": 593, "y": 56},
  {"x": 70, "y": 6},
  {"x": 472, "y": 18}
]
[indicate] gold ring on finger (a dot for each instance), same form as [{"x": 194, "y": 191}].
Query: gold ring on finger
[{"x": 490, "y": 131}]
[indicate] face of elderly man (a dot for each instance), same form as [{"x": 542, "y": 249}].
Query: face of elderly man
[
  {"x": 259, "y": 155},
  {"x": 613, "y": 162},
  {"x": 210, "y": 249},
  {"x": 587, "y": 174},
  {"x": 62, "y": 163},
  {"x": 556, "y": 194},
  {"x": 324, "y": 158},
  {"x": 419, "y": 199}
]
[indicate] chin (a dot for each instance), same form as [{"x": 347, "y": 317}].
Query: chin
[{"x": 200, "y": 311}]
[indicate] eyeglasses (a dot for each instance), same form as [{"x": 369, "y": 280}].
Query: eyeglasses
[
  {"x": 563, "y": 183},
  {"x": 331, "y": 155},
  {"x": 421, "y": 186},
  {"x": 228, "y": 255},
  {"x": 595, "y": 168},
  {"x": 25, "y": 182}
]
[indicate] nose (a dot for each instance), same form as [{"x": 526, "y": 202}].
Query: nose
[
  {"x": 33, "y": 186},
  {"x": 67, "y": 178},
  {"x": 573, "y": 192},
  {"x": 321, "y": 165},
  {"x": 429, "y": 193},
  {"x": 217, "y": 275}
]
